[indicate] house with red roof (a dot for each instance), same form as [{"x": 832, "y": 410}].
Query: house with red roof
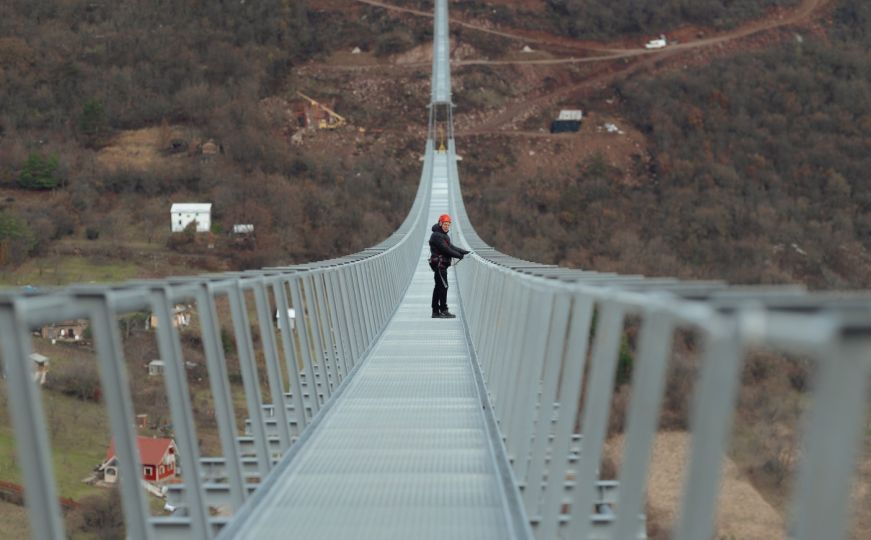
[{"x": 157, "y": 456}]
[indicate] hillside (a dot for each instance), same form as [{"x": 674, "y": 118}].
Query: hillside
[
  {"x": 749, "y": 165},
  {"x": 108, "y": 144},
  {"x": 739, "y": 152}
]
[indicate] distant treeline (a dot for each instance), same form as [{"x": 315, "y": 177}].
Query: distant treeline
[
  {"x": 605, "y": 19},
  {"x": 143, "y": 61},
  {"x": 610, "y": 18}
]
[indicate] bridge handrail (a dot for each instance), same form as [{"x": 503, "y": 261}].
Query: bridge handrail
[
  {"x": 531, "y": 326},
  {"x": 341, "y": 306}
]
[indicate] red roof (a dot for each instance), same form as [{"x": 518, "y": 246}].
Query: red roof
[{"x": 151, "y": 451}]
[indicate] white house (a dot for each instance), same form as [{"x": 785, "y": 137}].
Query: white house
[{"x": 184, "y": 213}]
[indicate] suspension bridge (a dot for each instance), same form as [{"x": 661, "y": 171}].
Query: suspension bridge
[{"x": 376, "y": 421}]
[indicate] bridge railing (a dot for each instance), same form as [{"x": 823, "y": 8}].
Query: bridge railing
[
  {"x": 548, "y": 340},
  {"x": 340, "y": 306}
]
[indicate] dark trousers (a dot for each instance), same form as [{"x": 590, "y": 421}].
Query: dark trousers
[{"x": 440, "y": 292}]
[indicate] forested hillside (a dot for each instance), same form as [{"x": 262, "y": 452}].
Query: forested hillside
[
  {"x": 739, "y": 154},
  {"x": 595, "y": 19},
  {"x": 758, "y": 172},
  {"x": 765, "y": 156},
  {"x": 752, "y": 166},
  {"x": 77, "y": 74}
]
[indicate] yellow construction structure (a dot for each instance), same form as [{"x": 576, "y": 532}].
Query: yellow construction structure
[{"x": 332, "y": 121}]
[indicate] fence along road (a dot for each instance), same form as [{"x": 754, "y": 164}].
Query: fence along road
[{"x": 401, "y": 426}]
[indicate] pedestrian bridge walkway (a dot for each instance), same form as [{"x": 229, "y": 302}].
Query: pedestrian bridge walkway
[
  {"x": 365, "y": 418},
  {"x": 405, "y": 451}
]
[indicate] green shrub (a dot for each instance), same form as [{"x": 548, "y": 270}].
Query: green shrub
[
  {"x": 16, "y": 239},
  {"x": 39, "y": 172}
]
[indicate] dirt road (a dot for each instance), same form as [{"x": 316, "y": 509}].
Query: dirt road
[
  {"x": 526, "y": 106},
  {"x": 801, "y": 13},
  {"x": 615, "y": 62},
  {"x": 513, "y": 34}
]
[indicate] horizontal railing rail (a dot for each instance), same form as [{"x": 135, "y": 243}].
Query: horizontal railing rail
[
  {"x": 340, "y": 306},
  {"x": 531, "y": 325}
]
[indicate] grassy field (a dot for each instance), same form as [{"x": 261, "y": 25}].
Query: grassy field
[
  {"x": 13, "y": 521},
  {"x": 79, "y": 437},
  {"x": 55, "y": 271}
]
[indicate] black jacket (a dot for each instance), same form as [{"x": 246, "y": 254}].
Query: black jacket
[{"x": 441, "y": 250}]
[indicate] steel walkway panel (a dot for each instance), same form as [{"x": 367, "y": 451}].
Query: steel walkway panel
[{"x": 404, "y": 451}]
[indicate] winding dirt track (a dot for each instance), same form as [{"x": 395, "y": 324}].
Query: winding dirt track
[
  {"x": 516, "y": 35},
  {"x": 525, "y": 106},
  {"x": 801, "y": 13}
]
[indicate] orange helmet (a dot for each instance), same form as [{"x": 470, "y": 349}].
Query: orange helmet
[{"x": 443, "y": 218}]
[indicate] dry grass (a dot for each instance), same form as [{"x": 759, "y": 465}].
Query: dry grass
[
  {"x": 141, "y": 148},
  {"x": 742, "y": 512},
  {"x": 13, "y": 521}
]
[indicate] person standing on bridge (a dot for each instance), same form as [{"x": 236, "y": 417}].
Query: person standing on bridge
[{"x": 441, "y": 251}]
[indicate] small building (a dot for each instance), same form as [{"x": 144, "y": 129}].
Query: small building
[
  {"x": 181, "y": 317},
  {"x": 183, "y": 214},
  {"x": 569, "y": 120},
  {"x": 71, "y": 330},
  {"x": 243, "y": 228},
  {"x": 155, "y": 367},
  {"x": 40, "y": 367},
  {"x": 158, "y": 457},
  {"x": 209, "y": 148}
]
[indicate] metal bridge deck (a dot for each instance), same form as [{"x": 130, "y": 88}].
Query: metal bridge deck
[{"x": 404, "y": 452}]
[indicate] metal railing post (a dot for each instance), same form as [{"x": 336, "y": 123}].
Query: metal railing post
[
  {"x": 527, "y": 385},
  {"x": 219, "y": 382},
  {"x": 544, "y": 427},
  {"x": 648, "y": 386},
  {"x": 835, "y": 427},
  {"x": 250, "y": 380},
  {"x": 712, "y": 411},
  {"x": 28, "y": 419},
  {"x": 331, "y": 328},
  {"x": 316, "y": 325},
  {"x": 362, "y": 305},
  {"x": 340, "y": 330},
  {"x": 185, "y": 433},
  {"x": 513, "y": 359},
  {"x": 574, "y": 360},
  {"x": 303, "y": 332},
  {"x": 116, "y": 392},
  {"x": 288, "y": 343},
  {"x": 270, "y": 355},
  {"x": 597, "y": 405},
  {"x": 351, "y": 319}
]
